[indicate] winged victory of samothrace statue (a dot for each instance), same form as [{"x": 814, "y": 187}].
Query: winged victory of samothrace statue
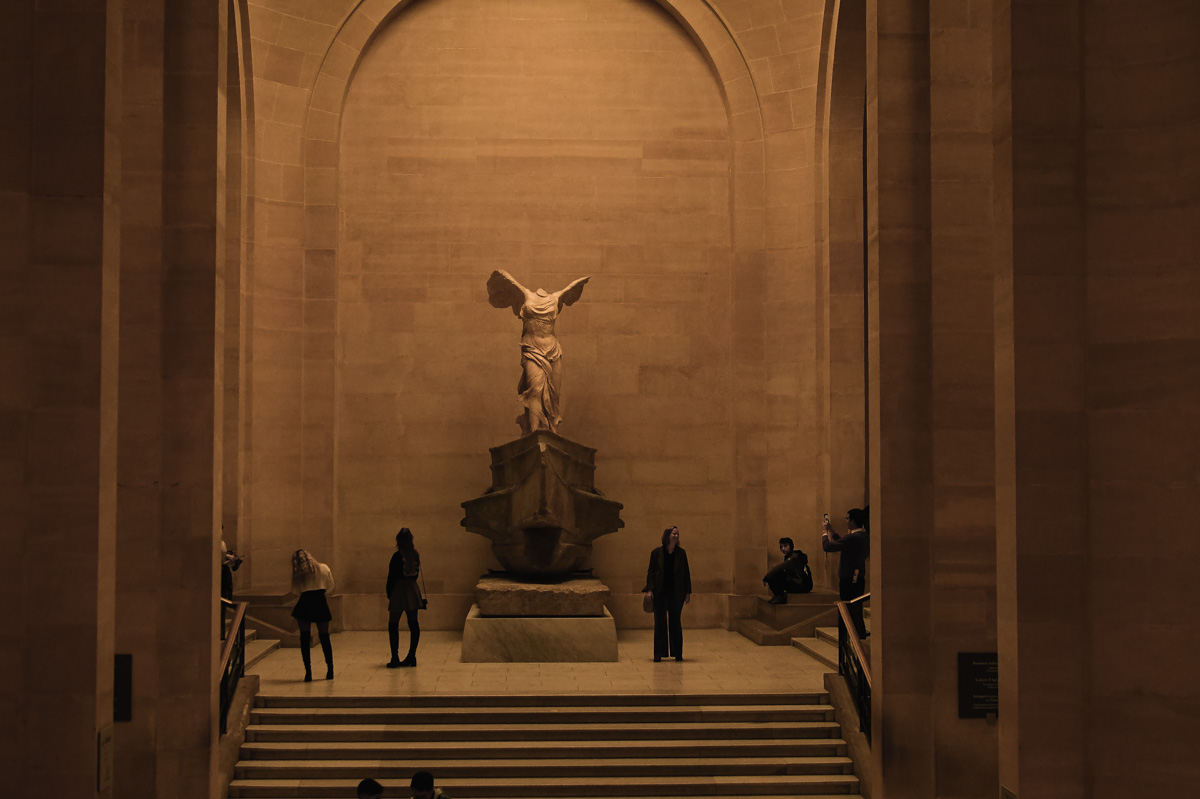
[{"x": 540, "y": 350}]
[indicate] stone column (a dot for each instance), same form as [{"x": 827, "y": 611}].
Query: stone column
[
  {"x": 59, "y": 177},
  {"x": 170, "y": 426},
  {"x": 931, "y": 450},
  {"x": 1041, "y": 452},
  {"x": 1097, "y": 452},
  {"x": 194, "y": 86},
  {"x": 140, "y": 432}
]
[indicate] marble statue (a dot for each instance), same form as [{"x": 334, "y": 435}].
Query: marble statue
[{"x": 540, "y": 351}]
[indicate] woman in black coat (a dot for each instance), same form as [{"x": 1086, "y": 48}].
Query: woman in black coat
[
  {"x": 404, "y": 598},
  {"x": 669, "y": 585}
]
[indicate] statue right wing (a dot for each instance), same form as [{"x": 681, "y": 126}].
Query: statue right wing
[{"x": 505, "y": 292}]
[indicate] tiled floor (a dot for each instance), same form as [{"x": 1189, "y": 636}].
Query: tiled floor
[{"x": 717, "y": 661}]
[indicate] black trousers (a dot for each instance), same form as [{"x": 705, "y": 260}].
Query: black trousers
[
  {"x": 782, "y": 584},
  {"x": 850, "y": 588},
  {"x": 668, "y": 631}
]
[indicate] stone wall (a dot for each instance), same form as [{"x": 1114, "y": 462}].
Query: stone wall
[
  {"x": 555, "y": 142},
  {"x": 402, "y": 152}
]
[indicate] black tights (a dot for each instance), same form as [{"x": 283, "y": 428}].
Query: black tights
[
  {"x": 414, "y": 633},
  {"x": 306, "y": 643}
]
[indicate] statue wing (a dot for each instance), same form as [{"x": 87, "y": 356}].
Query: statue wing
[
  {"x": 505, "y": 292},
  {"x": 571, "y": 294}
]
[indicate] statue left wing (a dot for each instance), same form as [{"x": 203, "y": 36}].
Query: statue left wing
[
  {"x": 505, "y": 292},
  {"x": 571, "y": 294}
]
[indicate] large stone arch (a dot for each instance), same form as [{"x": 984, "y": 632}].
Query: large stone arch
[
  {"x": 323, "y": 117},
  {"x": 748, "y": 228}
]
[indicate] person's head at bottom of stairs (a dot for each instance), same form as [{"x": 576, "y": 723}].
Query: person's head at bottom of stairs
[
  {"x": 422, "y": 787},
  {"x": 370, "y": 789}
]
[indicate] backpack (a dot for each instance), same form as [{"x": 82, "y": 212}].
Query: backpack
[{"x": 806, "y": 582}]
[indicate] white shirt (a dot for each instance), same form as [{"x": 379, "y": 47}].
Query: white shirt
[{"x": 321, "y": 578}]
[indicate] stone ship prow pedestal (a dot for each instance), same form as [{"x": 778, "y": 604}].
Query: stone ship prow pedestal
[{"x": 541, "y": 513}]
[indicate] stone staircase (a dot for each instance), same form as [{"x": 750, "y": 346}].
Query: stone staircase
[
  {"x": 658, "y": 745},
  {"x": 258, "y": 648},
  {"x": 822, "y": 645},
  {"x": 777, "y": 625}
]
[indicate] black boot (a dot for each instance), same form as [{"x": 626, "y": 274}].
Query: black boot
[
  {"x": 327, "y": 648},
  {"x": 778, "y": 599},
  {"x": 394, "y": 643},
  {"x": 414, "y": 636},
  {"x": 306, "y": 655}
]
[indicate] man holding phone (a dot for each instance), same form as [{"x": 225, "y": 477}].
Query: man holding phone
[{"x": 855, "y": 547}]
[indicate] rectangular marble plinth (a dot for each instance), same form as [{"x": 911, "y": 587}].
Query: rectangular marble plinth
[
  {"x": 502, "y": 595},
  {"x": 539, "y": 639}
]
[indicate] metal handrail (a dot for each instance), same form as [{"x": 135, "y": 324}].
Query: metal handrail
[
  {"x": 852, "y": 664},
  {"x": 852, "y": 637},
  {"x": 233, "y": 656}
]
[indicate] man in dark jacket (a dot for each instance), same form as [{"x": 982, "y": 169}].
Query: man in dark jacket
[
  {"x": 855, "y": 547},
  {"x": 789, "y": 576}
]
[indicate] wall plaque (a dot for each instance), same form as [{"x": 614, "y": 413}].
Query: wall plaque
[{"x": 978, "y": 685}]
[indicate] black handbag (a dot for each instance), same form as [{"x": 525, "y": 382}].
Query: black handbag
[{"x": 424, "y": 599}]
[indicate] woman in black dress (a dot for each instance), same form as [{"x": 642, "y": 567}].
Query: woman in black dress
[
  {"x": 669, "y": 585},
  {"x": 311, "y": 579},
  {"x": 403, "y": 598}
]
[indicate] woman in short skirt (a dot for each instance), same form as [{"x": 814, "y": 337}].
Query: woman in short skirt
[
  {"x": 311, "y": 580},
  {"x": 404, "y": 597}
]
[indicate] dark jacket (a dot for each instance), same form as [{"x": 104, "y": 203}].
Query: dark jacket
[
  {"x": 654, "y": 574},
  {"x": 792, "y": 566},
  {"x": 402, "y": 568},
  {"x": 855, "y": 548}
]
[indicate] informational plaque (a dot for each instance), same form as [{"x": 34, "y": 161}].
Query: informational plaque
[{"x": 978, "y": 685}]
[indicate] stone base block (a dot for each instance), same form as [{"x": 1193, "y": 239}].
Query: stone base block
[
  {"x": 539, "y": 639},
  {"x": 500, "y": 595}
]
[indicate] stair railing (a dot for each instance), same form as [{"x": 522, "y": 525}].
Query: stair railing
[
  {"x": 853, "y": 666},
  {"x": 233, "y": 655}
]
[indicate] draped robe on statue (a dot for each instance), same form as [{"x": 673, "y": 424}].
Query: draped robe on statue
[{"x": 540, "y": 351}]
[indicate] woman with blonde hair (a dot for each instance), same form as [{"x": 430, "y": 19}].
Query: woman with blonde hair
[{"x": 311, "y": 579}]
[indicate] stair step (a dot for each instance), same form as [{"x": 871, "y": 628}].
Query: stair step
[
  {"x": 746, "y": 730},
  {"x": 761, "y": 633},
  {"x": 828, "y": 635},
  {"x": 543, "y": 701},
  {"x": 507, "y": 715},
  {"x": 250, "y": 634},
  {"x": 647, "y": 767},
  {"x": 548, "y": 747},
  {"x": 823, "y": 651},
  {"x": 509, "y": 748},
  {"x": 527, "y": 787},
  {"x": 657, "y": 796},
  {"x": 256, "y": 650}
]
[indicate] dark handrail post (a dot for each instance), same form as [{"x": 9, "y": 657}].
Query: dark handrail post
[
  {"x": 852, "y": 665},
  {"x": 233, "y": 658}
]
